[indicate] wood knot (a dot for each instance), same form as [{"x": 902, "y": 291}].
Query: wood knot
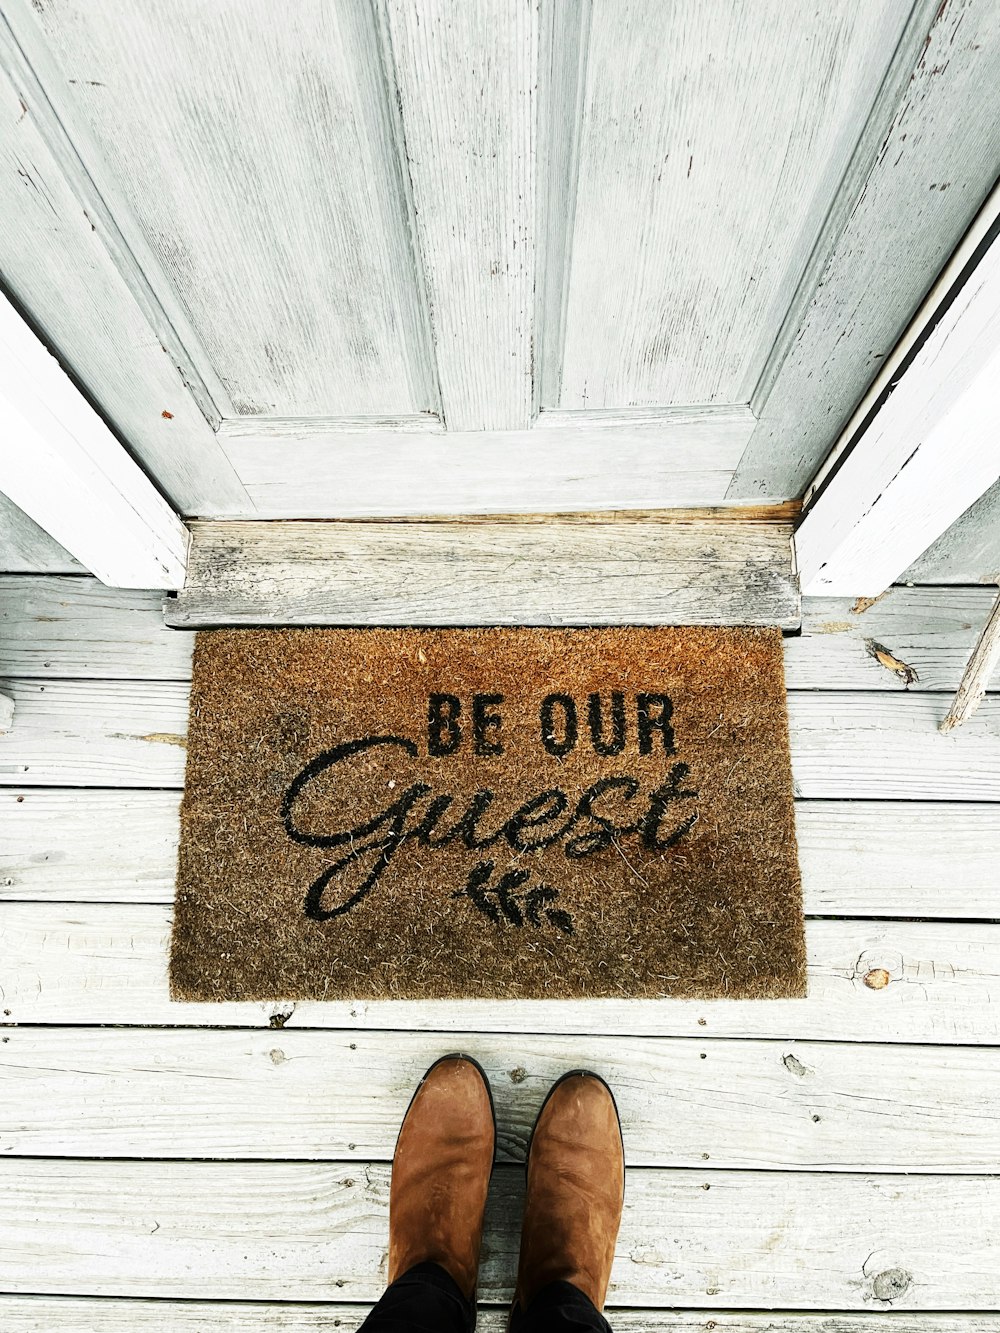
[
  {"x": 877, "y": 978},
  {"x": 891, "y": 1284}
]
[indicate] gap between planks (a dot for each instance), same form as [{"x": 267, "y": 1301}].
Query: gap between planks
[{"x": 87, "y": 1314}]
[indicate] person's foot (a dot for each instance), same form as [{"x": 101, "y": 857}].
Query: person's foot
[
  {"x": 575, "y": 1191},
  {"x": 441, "y": 1173}
]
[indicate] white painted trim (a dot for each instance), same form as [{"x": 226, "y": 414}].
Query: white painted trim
[
  {"x": 929, "y": 452},
  {"x": 914, "y": 331},
  {"x": 62, "y": 465}
]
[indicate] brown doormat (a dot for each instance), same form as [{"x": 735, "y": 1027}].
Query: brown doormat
[{"x": 487, "y": 812}]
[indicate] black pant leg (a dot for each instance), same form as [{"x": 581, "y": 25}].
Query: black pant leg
[
  {"x": 425, "y": 1299},
  {"x": 559, "y": 1307}
]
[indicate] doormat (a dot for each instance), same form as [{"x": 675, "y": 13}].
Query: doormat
[{"x": 508, "y": 813}]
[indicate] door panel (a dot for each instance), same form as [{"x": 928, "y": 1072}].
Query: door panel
[
  {"x": 713, "y": 141},
  {"x": 253, "y": 144},
  {"x": 337, "y": 257}
]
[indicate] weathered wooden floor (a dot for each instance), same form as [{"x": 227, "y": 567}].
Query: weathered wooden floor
[{"x": 801, "y": 1165}]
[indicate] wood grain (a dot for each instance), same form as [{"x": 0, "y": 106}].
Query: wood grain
[
  {"x": 270, "y": 1230},
  {"x": 858, "y": 858},
  {"x": 567, "y": 461},
  {"x": 982, "y": 667},
  {"x": 270, "y": 194},
  {"x": 922, "y": 172},
  {"x": 696, "y": 120},
  {"x": 470, "y": 161},
  {"x": 968, "y": 552},
  {"x": 759, "y": 1105},
  {"x": 498, "y": 574},
  {"x": 92, "y": 963},
  {"x": 844, "y": 745},
  {"x": 868, "y": 746},
  {"x": 931, "y": 631},
  {"x": 88, "y": 846},
  {"x": 26, "y": 549},
  {"x": 78, "y": 628},
  {"x": 82, "y": 1314},
  {"x": 96, "y": 734}
]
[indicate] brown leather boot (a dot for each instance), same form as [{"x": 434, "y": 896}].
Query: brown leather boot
[
  {"x": 441, "y": 1173},
  {"x": 576, "y": 1187}
]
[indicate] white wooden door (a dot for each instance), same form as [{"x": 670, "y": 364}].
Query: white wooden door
[{"x": 384, "y": 257}]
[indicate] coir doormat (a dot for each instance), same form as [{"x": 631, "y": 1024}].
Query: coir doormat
[{"x": 488, "y": 812}]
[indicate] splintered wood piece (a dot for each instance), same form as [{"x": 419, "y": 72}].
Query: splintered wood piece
[{"x": 984, "y": 659}]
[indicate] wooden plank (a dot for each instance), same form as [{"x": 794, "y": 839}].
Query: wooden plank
[
  {"x": 968, "y": 552},
  {"x": 932, "y": 982},
  {"x": 276, "y": 220},
  {"x": 926, "y": 454},
  {"x": 844, "y": 745},
  {"x": 870, "y": 285},
  {"x": 96, "y": 734},
  {"x": 82, "y": 1314},
  {"x": 72, "y": 476},
  {"x": 701, "y": 117},
  {"x": 26, "y": 549},
  {"x": 498, "y": 574},
  {"x": 567, "y": 461},
  {"x": 469, "y": 153},
  {"x": 77, "y": 628},
  {"x": 65, "y": 260},
  {"x": 930, "y": 631},
  {"x": 88, "y": 846},
  {"x": 858, "y": 858},
  {"x": 869, "y": 746},
  {"x": 102, "y": 1092},
  {"x": 899, "y": 858},
  {"x": 272, "y": 1231}
]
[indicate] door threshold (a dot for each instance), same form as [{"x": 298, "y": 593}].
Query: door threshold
[{"x": 676, "y": 571}]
